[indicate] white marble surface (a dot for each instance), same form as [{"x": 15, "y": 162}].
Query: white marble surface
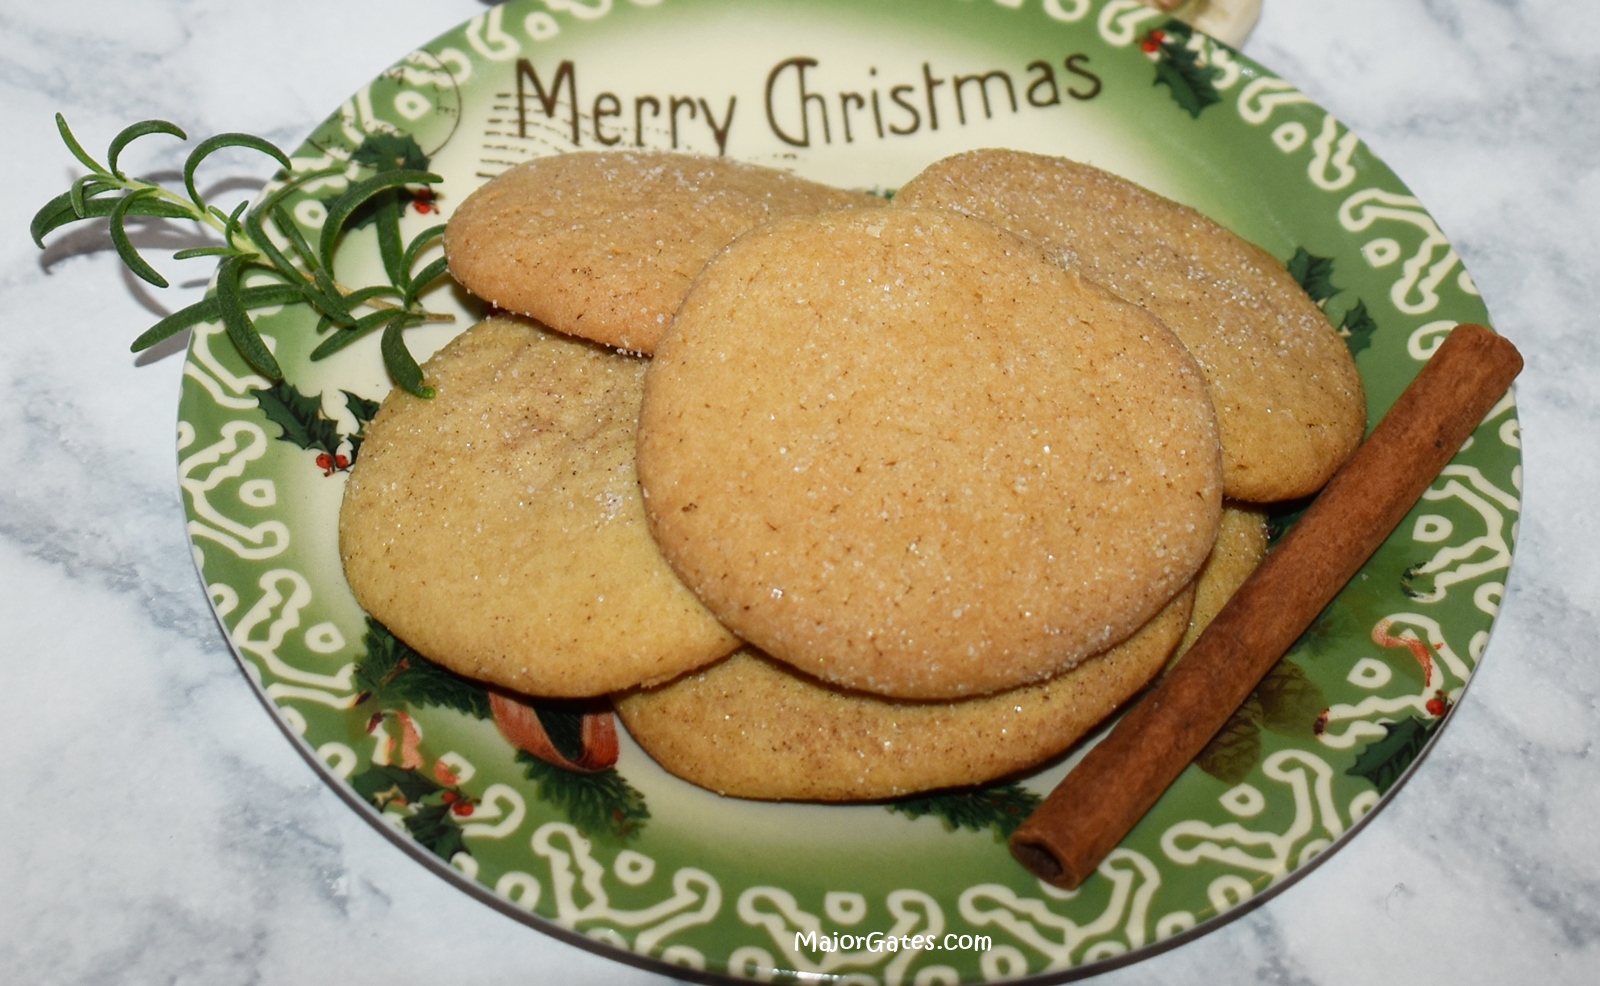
[{"x": 157, "y": 828}]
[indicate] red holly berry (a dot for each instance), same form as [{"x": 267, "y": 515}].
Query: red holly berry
[
  {"x": 1151, "y": 46},
  {"x": 450, "y": 796},
  {"x": 1435, "y": 707},
  {"x": 325, "y": 463},
  {"x": 423, "y": 202},
  {"x": 342, "y": 461},
  {"x": 1158, "y": 36},
  {"x": 461, "y": 808}
]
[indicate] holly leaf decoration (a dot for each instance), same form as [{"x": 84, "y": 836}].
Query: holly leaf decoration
[
  {"x": 436, "y": 828},
  {"x": 1384, "y": 760},
  {"x": 999, "y": 809},
  {"x": 431, "y": 823},
  {"x": 299, "y": 417},
  {"x": 360, "y": 408},
  {"x": 1179, "y": 69},
  {"x": 1357, "y": 328},
  {"x": 1290, "y": 702},
  {"x": 601, "y": 803},
  {"x": 390, "y": 152},
  {"x": 385, "y": 785},
  {"x": 1233, "y": 752},
  {"x": 1314, "y": 274},
  {"x": 363, "y": 411},
  {"x": 394, "y": 675}
]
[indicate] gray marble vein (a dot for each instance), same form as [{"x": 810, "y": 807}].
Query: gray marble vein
[{"x": 157, "y": 828}]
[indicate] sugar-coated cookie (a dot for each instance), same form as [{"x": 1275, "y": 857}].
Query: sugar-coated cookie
[
  {"x": 497, "y": 528},
  {"x": 1288, "y": 397},
  {"x": 907, "y": 453},
  {"x": 1241, "y": 544},
  {"x": 752, "y": 727},
  {"x": 604, "y": 245}
]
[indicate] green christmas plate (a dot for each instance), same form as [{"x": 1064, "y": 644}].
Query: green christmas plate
[{"x": 861, "y": 93}]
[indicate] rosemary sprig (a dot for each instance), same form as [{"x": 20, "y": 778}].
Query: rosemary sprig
[{"x": 299, "y": 271}]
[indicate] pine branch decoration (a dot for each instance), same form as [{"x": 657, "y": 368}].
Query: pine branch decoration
[
  {"x": 601, "y": 803},
  {"x": 1000, "y": 809}
]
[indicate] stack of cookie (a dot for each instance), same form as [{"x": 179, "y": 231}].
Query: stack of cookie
[{"x": 841, "y": 499}]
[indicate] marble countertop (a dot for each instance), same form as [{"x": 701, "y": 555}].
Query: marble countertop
[{"x": 161, "y": 830}]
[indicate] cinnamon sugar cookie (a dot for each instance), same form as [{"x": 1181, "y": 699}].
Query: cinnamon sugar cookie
[
  {"x": 1288, "y": 397},
  {"x": 497, "y": 528},
  {"x": 1241, "y": 544},
  {"x": 604, "y": 245},
  {"x": 907, "y": 453},
  {"x": 752, "y": 727}
]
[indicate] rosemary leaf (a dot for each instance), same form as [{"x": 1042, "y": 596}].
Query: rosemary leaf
[
  {"x": 333, "y": 303},
  {"x": 366, "y": 294},
  {"x": 351, "y": 333},
  {"x": 291, "y": 232},
  {"x": 77, "y": 148},
  {"x": 204, "y": 310},
  {"x": 262, "y": 242},
  {"x": 341, "y": 208},
  {"x": 339, "y": 340},
  {"x": 78, "y": 195},
  {"x": 210, "y": 251},
  {"x": 401, "y": 364},
  {"x": 86, "y": 188},
  {"x": 59, "y": 212},
  {"x": 133, "y": 133},
  {"x": 231, "y": 228},
  {"x": 211, "y": 144},
  {"x": 269, "y": 205},
  {"x": 263, "y": 295},
  {"x": 418, "y": 244},
  {"x": 238, "y": 325},
  {"x": 56, "y": 213},
  {"x": 389, "y": 242},
  {"x": 208, "y": 310},
  {"x": 125, "y": 250},
  {"x": 144, "y": 206},
  {"x": 425, "y": 277}
]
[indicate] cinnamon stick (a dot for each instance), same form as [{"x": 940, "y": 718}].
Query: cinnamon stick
[{"x": 1119, "y": 780}]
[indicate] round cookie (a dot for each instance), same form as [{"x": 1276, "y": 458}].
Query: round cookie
[
  {"x": 752, "y": 727},
  {"x": 1241, "y": 544},
  {"x": 1288, "y": 397},
  {"x": 907, "y": 453},
  {"x": 498, "y": 529},
  {"x": 604, "y": 245}
]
